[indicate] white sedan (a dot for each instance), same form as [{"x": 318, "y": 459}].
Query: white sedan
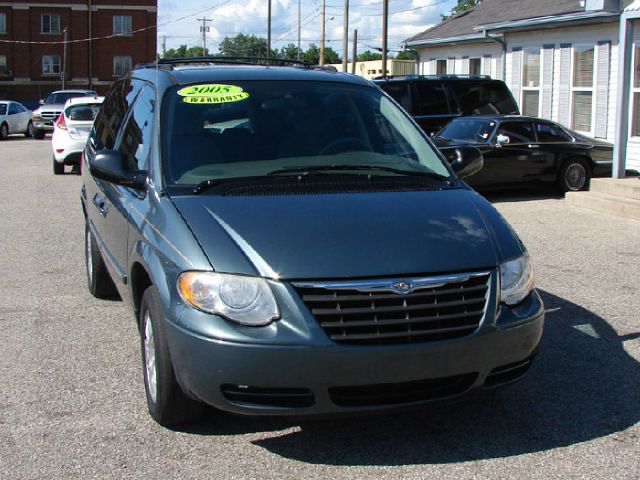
[
  {"x": 71, "y": 131},
  {"x": 14, "y": 118}
]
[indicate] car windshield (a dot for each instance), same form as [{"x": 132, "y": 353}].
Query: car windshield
[
  {"x": 257, "y": 128},
  {"x": 473, "y": 130},
  {"x": 3, "y": 108},
  {"x": 61, "y": 98},
  {"x": 84, "y": 112}
]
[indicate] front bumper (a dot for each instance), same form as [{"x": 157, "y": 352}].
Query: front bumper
[
  {"x": 322, "y": 377},
  {"x": 44, "y": 125}
]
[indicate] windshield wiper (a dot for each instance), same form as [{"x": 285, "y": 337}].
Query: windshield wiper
[
  {"x": 214, "y": 182},
  {"x": 329, "y": 168}
]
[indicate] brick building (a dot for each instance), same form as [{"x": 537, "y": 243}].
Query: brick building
[{"x": 29, "y": 71}]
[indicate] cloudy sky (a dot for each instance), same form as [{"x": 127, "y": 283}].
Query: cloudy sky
[{"x": 177, "y": 20}]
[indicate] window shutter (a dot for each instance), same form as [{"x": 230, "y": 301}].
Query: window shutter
[
  {"x": 499, "y": 67},
  {"x": 516, "y": 72},
  {"x": 602, "y": 89},
  {"x": 565, "y": 84},
  {"x": 547, "y": 81},
  {"x": 465, "y": 65},
  {"x": 451, "y": 66},
  {"x": 486, "y": 65}
]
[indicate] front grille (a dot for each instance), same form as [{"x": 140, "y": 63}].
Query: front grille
[
  {"x": 401, "y": 393},
  {"x": 373, "y": 312},
  {"x": 50, "y": 115}
]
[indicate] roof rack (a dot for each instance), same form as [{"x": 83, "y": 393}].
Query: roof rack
[
  {"x": 447, "y": 75},
  {"x": 224, "y": 60}
]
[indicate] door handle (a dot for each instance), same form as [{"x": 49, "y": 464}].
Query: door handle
[{"x": 100, "y": 204}]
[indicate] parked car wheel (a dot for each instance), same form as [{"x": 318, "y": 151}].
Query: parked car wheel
[
  {"x": 574, "y": 175},
  {"x": 38, "y": 134},
  {"x": 58, "y": 168},
  {"x": 167, "y": 403},
  {"x": 98, "y": 279},
  {"x": 4, "y": 131},
  {"x": 29, "y": 131}
]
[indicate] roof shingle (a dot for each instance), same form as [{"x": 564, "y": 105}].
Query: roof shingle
[{"x": 492, "y": 11}]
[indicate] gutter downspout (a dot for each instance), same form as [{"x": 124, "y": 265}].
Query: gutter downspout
[
  {"x": 623, "y": 102},
  {"x": 502, "y": 42}
]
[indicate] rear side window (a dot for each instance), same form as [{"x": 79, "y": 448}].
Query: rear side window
[
  {"x": 400, "y": 93},
  {"x": 548, "y": 132},
  {"x": 432, "y": 99},
  {"x": 490, "y": 97},
  {"x": 518, "y": 132}
]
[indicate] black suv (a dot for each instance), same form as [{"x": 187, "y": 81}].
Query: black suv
[
  {"x": 291, "y": 242},
  {"x": 435, "y": 100}
]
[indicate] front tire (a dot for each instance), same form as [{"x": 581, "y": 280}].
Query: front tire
[
  {"x": 574, "y": 175},
  {"x": 167, "y": 403},
  {"x": 58, "y": 168},
  {"x": 29, "y": 132},
  {"x": 38, "y": 134},
  {"x": 99, "y": 281},
  {"x": 4, "y": 131}
]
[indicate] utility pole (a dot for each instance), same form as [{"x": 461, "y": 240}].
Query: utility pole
[
  {"x": 269, "y": 32},
  {"x": 345, "y": 36},
  {"x": 385, "y": 25},
  {"x": 164, "y": 46},
  {"x": 322, "y": 32},
  {"x": 64, "y": 59},
  {"x": 354, "y": 55},
  {"x": 204, "y": 29},
  {"x": 299, "y": 29}
]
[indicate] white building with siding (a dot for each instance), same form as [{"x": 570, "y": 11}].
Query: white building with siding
[{"x": 574, "y": 62}]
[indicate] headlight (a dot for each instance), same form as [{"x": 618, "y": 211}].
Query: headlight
[
  {"x": 36, "y": 116},
  {"x": 516, "y": 280},
  {"x": 245, "y": 300}
]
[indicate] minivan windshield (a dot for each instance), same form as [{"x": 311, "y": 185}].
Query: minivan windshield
[{"x": 257, "y": 128}]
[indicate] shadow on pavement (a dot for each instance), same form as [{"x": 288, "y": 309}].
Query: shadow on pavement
[{"x": 582, "y": 386}]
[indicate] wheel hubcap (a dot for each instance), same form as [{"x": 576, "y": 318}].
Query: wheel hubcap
[
  {"x": 150, "y": 358},
  {"x": 576, "y": 176}
]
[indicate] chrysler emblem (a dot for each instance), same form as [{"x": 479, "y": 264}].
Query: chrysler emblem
[{"x": 402, "y": 286}]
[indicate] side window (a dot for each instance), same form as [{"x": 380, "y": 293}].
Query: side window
[
  {"x": 19, "y": 108},
  {"x": 518, "y": 132},
  {"x": 548, "y": 132},
  {"x": 400, "y": 93},
  {"x": 12, "y": 109},
  {"x": 136, "y": 137},
  {"x": 432, "y": 99},
  {"x": 114, "y": 108}
]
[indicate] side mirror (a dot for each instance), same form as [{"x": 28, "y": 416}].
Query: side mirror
[
  {"x": 467, "y": 161},
  {"x": 41, "y": 101},
  {"x": 502, "y": 139},
  {"x": 110, "y": 166}
]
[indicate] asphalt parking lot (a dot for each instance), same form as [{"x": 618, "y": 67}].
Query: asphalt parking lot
[{"x": 72, "y": 399}]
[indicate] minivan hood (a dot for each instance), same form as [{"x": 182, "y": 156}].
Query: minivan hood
[{"x": 342, "y": 235}]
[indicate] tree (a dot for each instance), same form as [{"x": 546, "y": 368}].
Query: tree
[
  {"x": 462, "y": 6},
  {"x": 245, "y": 46},
  {"x": 406, "y": 55},
  {"x": 183, "y": 52},
  {"x": 369, "y": 55},
  {"x": 290, "y": 52},
  {"x": 312, "y": 55}
]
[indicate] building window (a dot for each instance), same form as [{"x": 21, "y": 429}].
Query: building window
[
  {"x": 3, "y": 23},
  {"x": 121, "y": 65},
  {"x": 51, "y": 65},
  {"x": 50, "y": 23},
  {"x": 635, "y": 125},
  {"x": 474, "y": 66},
  {"x": 582, "y": 88},
  {"x": 3, "y": 65},
  {"x": 122, "y": 24},
  {"x": 531, "y": 82},
  {"x": 441, "y": 67}
]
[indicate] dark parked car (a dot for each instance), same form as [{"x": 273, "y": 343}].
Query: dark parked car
[
  {"x": 520, "y": 150},
  {"x": 434, "y": 100},
  {"x": 291, "y": 243}
]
